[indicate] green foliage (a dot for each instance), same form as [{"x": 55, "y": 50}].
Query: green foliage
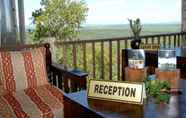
[
  {"x": 158, "y": 89},
  {"x": 89, "y": 59},
  {"x": 136, "y": 27},
  {"x": 59, "y": 18}
]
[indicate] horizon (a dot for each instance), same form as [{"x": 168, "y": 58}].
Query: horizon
[
  {"x": 158, "y": 23},
  {"x": 118, "y": 11},
  {"x": 95, "y": 25}
]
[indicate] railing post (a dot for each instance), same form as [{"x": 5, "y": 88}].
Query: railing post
[
  {"x": 93, "y": 60},
  {"x": 174, "y": 41},
  {"x": 152, "y": 39},
  {"x": 178, "y": 39},
  {"x": 74, "y": 55},
  {"x": 84, "y": 57},
  {"x": 146, "y": 40},
  {"x": 126, "y": 43},
  {"x": 159, "y": 40},
  {"x": 110, "y": 60},
  {"x": 164, "y": 41},
  {"x": 118, "y": 60},
  {"x": 102, "y": 60},
  {"x": 169, "y": 41},
  {"x": 65, "y": 55}
]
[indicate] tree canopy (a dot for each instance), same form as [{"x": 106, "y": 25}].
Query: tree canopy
[{"x": 59, "y": 18}]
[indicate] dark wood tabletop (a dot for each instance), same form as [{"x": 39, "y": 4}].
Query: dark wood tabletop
[{"x": 176, "y": 108}]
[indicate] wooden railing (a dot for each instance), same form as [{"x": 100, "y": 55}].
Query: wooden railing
[{"x": 101, "y": 58}]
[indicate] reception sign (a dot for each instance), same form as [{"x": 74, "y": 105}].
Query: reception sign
[{"x": 116, "y": 91}]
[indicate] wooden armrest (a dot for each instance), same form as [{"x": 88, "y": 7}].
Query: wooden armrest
[
  {"x": 61, "y": 75},
  {"x": 68, "y": 72},
  {"x": 58, "y": 68}
]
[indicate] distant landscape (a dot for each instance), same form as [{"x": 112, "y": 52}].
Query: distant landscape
[
  {"x": 110, "y": 31},
  {"x": 92, "y": 32},
  {"x": 101, "y": 32}
]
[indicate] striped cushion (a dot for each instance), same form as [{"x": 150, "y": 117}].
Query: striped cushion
[
  {"x": 22, "y": 69},
  {"x": 41, "y": 102}
]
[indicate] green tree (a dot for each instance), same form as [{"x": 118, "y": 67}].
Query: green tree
[{"x": 59, "y": 18}]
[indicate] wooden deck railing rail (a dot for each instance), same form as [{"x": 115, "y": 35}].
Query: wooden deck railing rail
[{"x": 102, "y": 57}]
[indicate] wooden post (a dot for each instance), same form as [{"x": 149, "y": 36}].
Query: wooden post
[
  {"x": 21, "y": 20},
  {"x": 8, "y": 23},
  {"x": 183, "y": 22},
  {"x": 110, "y": 60},
  {"x": 93, "y": 60},
  {"x": 183, "y": 15},
  {"x": 14, "y": 21},
  {"x": 118, "y": 59},
  {"x": 102, "y": 61},
  {"x": 84, "y": 56}
]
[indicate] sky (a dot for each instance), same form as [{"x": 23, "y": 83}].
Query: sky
[{"x": 102, "y": 12}]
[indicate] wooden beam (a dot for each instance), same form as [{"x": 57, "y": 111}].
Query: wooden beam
[{"x": 21, "y": 20}]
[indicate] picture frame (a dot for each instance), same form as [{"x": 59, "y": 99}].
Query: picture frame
[
  {"x": 167, "y": 59},
  {"x": 136, "y": 58}
]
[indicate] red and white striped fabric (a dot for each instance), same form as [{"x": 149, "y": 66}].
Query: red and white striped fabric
[
  {"x": 23, "y": 69},
  {"x": 24, "y": 89},
  {"x": 41, "y": 102}
]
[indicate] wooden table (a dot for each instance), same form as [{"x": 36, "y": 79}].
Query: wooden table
[{"x": 81, "y": 107}]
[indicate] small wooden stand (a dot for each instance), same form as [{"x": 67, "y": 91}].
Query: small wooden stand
[
  {"x": 135, "y": 75},
  {"x": 171, "y": 76}
]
